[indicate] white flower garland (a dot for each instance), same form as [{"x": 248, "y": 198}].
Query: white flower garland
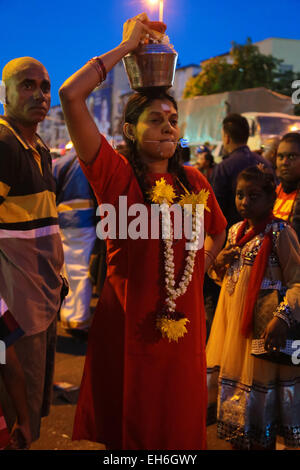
[
  {"x": 169, "y": 322},
  {"x": 167, "y": 229}
]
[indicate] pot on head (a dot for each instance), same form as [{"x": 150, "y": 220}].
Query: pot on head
[{"x": 151, "y": 65}]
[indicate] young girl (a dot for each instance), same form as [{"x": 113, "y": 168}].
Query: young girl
[
  {"x": 140, "y": 389},
  {"x": 255, "y": 398}
]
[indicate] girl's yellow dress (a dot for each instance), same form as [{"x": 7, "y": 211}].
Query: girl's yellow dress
[{"x": 255, "y": 399}]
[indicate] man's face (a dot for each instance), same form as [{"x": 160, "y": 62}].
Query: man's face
[
  {"x": 288, "y": 161},
  {"x": 28, "y": 95}
]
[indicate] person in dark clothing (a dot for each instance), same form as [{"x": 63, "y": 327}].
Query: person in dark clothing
[{"x": 235, "y": 133}]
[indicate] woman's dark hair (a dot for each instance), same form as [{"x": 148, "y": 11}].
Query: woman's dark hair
[
  {"x": 135, "y": 106},
  {"x": 262, "y": 176}
]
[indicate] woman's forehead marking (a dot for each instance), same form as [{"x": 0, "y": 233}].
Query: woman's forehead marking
[{"x": 165, "y": 107}]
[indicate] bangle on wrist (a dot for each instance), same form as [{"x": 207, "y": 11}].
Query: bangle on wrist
[
  {"x": 97, "y": 63},
  {"x": 284, "y": 312}
]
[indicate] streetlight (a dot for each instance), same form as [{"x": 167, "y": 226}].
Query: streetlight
[{"x": 161, "y": 7}]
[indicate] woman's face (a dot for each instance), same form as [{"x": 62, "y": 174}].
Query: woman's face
[{"x": 157, "y": 131}]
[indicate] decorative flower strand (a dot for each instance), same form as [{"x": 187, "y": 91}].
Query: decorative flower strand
[
  {"x": 162, "y": 192},
  {"x": 171, "y": 323}
]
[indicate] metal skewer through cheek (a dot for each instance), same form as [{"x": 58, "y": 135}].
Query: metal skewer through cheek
[{"x": 162, "y": 142}]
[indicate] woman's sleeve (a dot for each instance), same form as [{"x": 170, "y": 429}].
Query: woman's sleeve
[
  {"x": 109, "y": 174},
  {"x": 288, "y": 250}
]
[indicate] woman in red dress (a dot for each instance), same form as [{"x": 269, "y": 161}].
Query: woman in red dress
[{"x": 140, "y": 390}]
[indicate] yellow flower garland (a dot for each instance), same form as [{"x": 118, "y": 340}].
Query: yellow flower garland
[
  {"x": 162, "y": 192},
  {"x": 171, "y": 324},
  {"x": 193, "y": 199},
  {"x": 171, "y": 328}
]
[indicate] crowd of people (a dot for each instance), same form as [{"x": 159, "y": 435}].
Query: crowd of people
[{"x": 153, "y": 377}]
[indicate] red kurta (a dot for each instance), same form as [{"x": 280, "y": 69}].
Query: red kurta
[{"x": 138, "y": 390}]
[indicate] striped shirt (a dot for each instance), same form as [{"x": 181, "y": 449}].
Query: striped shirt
[{"x": 31, "y": 254}]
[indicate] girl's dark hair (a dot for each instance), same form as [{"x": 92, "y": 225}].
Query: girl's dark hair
[
  {"x": 135, "y": 106},
  {"x": 293, "y": 137},
  {"x": 262, "y": 176}
]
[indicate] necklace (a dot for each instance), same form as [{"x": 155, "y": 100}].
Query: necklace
[{"x": 171, "y": 323}]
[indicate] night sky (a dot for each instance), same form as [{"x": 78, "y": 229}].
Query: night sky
[{"x": 63, "y": 35}]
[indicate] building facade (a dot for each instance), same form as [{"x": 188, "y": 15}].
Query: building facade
[{"x": 286, "y": 49}]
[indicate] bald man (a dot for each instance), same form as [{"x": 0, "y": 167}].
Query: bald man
[{"x": 31, "y": 254}]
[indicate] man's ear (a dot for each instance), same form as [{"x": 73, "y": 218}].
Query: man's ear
[
  {"x": 3, "y": 93},
  {"x": 227, "y": 138},
  {"x": 129, "y": 131}
]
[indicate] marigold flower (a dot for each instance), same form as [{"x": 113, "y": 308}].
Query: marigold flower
[
  {"x": 193, "y": 199},
  {"x": 172, "y": 329},
  {"x": 162, "y": 192}
]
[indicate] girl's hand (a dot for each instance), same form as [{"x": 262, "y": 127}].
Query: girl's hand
[
  {"x": 275, "y": 334},
  {"x": 227, "y": 255},
  {"x": 134, "y": 30}
]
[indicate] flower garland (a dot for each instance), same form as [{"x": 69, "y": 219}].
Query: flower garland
[{"x": 171, "y": 323}]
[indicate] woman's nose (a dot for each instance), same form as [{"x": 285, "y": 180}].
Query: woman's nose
[{"x": 166, "y": 125}]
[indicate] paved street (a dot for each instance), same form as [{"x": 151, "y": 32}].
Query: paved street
[{"x": 56, "y": 429}]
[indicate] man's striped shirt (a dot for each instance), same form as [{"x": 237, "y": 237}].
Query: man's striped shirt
[{"x": 31, "y": 254}]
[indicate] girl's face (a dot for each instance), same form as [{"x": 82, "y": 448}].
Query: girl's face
[
  {"x": 252, "y": 201},
  {"x": 157, "y": 131}
]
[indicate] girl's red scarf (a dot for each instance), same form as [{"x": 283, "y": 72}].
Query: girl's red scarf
[{"x": 258, "y": 268}]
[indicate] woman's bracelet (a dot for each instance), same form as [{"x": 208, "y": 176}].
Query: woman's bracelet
[
  {"x": 284, "y": 312},
  {"x": 97, "y": 63}
]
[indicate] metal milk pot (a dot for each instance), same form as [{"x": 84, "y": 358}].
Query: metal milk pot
[{"x": 151, "y": 65}]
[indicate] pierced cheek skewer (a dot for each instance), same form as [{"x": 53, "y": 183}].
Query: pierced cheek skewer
[{"x": 159, "y": 141}]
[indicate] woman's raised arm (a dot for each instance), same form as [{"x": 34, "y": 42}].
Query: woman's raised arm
[{"x": 74, "y": 92}]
